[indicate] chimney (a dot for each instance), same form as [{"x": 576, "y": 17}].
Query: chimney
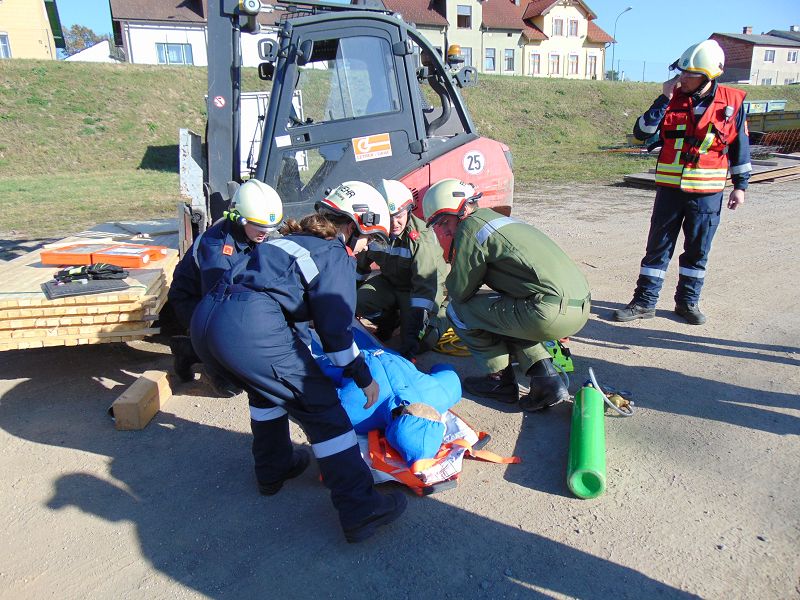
[{"x": 747, "y": 30}]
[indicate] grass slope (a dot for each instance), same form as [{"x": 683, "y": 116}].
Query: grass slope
[{"x": 83, "y": 143}]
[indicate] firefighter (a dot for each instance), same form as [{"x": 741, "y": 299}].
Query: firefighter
[
  {"x": 256, "y": 213},
  {"x": 410, "y": 287},
  {"x": 537, "y": 294},
  {"x": 246, "y": 327},
  {"x": 703, "y": 129}
]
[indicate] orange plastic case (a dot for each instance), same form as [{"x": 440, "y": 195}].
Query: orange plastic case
[
  {"x": 76, "y": 254},
  {"x": 129, "y": 256}
]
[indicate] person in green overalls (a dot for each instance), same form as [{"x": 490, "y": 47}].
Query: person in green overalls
[
  {"x": 409, "y": 291},
  {"x": 536, "y": 294}
]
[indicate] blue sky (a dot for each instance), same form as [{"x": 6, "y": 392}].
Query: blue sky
[{"x": 650, "y": 36}]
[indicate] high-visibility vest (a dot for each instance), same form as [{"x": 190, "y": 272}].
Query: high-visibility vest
[{"x": 694, "y": 156}]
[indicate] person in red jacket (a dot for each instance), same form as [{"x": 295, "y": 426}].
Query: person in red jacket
[{"x": 702, "y": 129}]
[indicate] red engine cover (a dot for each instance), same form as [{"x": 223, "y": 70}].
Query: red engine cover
[{"x": 482, "y": 162}]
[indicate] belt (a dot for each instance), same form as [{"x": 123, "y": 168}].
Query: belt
[
  {"x": 565, "y": 303},
  {"x": 234, "y": 291}
]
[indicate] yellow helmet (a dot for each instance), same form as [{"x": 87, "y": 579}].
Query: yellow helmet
[
  {"x": 448, "y": 197},
  {"x": 257, "y": 203},
  {"x": 706, "y": 58},
  {"x": 362, "y": 203},
  {"x": 398, "y": 196}
]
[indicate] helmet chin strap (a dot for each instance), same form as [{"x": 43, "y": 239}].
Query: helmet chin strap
[{"x": 349, "y": 242}]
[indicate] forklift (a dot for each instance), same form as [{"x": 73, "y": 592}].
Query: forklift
[{"x": 378, "y": 102}]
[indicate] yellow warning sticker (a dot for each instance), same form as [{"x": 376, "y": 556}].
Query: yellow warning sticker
[{"x": 372, "y": 146}]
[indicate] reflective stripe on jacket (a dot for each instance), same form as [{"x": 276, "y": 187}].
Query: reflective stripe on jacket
[
  {"x": 512, "y": 258},
  {"x": 694, "y": 155}
]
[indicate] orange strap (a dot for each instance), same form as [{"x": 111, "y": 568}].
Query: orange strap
[
  {"x": 378, "y": 449},
  {"x": 486, "y": 455}
]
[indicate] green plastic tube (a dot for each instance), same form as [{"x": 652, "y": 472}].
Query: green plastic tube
[{"x": 586, "y": 468}]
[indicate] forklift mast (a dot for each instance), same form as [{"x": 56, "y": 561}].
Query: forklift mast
[{"x": 357, "y": 94}]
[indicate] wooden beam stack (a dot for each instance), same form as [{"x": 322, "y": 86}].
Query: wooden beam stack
[{"x": 29, "y": 320}]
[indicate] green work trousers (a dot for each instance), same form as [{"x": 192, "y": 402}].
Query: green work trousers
[
  {"x": 493, "y": 326},
  {"x": 378, "y": 299}
]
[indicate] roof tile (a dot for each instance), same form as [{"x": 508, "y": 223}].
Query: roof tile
[
  {"x": 597, "y": 35},
  {"x": 419, "y": 12}
]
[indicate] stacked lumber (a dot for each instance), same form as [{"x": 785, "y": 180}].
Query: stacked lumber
[
  {"x": 29, "y": 320},
  {"x": 779, "y": 167}
]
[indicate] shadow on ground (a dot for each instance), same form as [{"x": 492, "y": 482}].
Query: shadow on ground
[
  {"x": 160, "y": 158},
  {"x": 189, "y": 490}
]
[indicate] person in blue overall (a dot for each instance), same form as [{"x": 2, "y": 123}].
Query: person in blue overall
[
  {"x": 246, "y": 327},
  {"x": 257, "y": 211},
  {"x": 702, "y": 130}
]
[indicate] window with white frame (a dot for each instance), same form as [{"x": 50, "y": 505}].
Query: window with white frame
[
  {"x": 792, "y": 56},
  {"x": 555, "y": 64},
  {"x": 174, "y": 54},
  {"x": 769, "y": 55},
  {"x": 558, "y": 26},
  {"x": 573, "y": 64},
  {"x": 5, "y": 46},
  {"x": 489, "y": 63},
  {"x": 509, "y": 59},
  {"x": 536, "y": 63},
  {"x": 591, "y": 67},
  {"x": 766, "y": 81},
  {"x": 466, "y": 53},
  {"x": 788, "y": 81},
  {"x": 464, "y": 18},
  {"x": 573, "y": 28}
]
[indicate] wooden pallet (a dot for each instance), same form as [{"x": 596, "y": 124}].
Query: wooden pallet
[
  {"x": 780, "y": 167},
  {"x": 29, "y": 320}
]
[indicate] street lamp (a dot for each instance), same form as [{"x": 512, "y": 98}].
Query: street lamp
[{"x": 614, "y": 47}]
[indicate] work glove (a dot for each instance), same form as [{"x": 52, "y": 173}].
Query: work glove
[
  {"x": 95, "y": 271},
  {"x": 413, "y": 332}
]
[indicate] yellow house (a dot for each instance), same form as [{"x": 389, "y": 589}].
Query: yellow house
[
  {"x": 30, "y": 29},
  {"x": 536, "y": 38}
]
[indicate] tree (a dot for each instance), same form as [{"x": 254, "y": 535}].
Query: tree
[
  {"x": 79, "y": 38},
  {"x": 612, "y": 75}
]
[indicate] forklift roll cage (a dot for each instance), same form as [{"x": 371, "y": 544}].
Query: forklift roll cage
[{"x": 364, "y": 115}]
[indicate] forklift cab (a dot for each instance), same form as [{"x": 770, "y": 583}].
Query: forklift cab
[{"x": 377, "y": 102}]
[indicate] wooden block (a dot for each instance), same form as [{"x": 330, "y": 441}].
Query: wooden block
[{"x": 141, "y": 401}]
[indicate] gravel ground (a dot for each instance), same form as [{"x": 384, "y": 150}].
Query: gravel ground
[{"x": 702, "y": 498}]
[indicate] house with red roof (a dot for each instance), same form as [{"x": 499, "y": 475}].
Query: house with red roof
[
  {"x": 537, "y": 38},
  {"x": 174, "y": 32},
  {"x": 769, "y": 58}
]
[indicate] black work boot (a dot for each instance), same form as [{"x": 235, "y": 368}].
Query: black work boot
[
  {"x": 634, "y": 311},
  {"x": 547, "y": 387},
  {"x": 301, "y": 459},
  {"x": 500, "y": 386},
  {"x": 224, "y": 387},
  {"x": 391, "y": 507},
  {"x": 386, "y": 325},
  {"x": 690, "y": 313},
  {"x": 184, "y": 355}
]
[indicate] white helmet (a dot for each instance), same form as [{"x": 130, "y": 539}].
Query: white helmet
[
  {"x": 398, "y": 196},
  {"x": 257, "y": 203},
  {"x": 706, "y": 58},
  {"x": 448, "y": 197},
  {"x": 362, "y": 203}
]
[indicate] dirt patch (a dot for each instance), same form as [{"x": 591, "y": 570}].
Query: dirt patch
[{"x": 702, "y": 498}]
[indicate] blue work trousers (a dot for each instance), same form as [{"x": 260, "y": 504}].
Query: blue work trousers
[
  {"x": 698, "y": 215},
  {"x": 246, "y": 336}
]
